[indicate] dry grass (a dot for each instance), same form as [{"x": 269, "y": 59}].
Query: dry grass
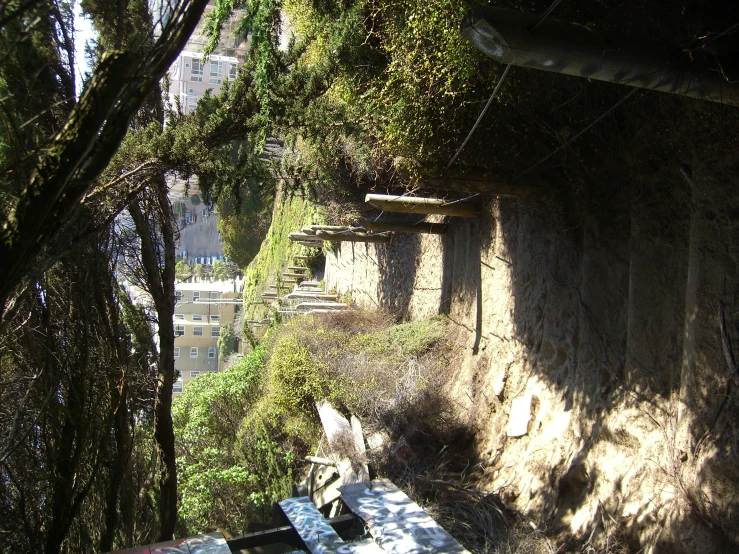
[{"x": 398, "y": 376}]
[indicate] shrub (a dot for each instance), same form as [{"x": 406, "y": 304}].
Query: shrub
[
  {"x": 226, "y": 341},
  {"x": 216, "y": 489},
  {"x": 242, "y": 434},
  {"x": 296, "y": 380}
]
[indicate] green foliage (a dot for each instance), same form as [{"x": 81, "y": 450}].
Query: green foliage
[
  {"x": 243, "y": 224},
  {"x": 199, "y": 270},
  {"x": 194, "y": 199},
  {"x": 223, "y": 270},
  {"x": 262, "y": 20},
  {"x": 226, "y": 341},
  {"x": 296, "y": 380},
  {"x": 183, "y": 270},
  {"x": 240, "y": 433},
  {"x": 403, "y": 340},
  {"x": 205, "y": 484},
  {"x": 276, "y": 249},
  {"x": 366, "y": 86},
  {"x": 431, "y": 72},
  {"x": 217, "y": 485},
  {"x": 220, "y": 13},
  {"x": 237, "y": 452}
]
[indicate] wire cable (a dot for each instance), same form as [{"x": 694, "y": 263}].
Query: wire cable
[
  {"x": 485, "y": 109},
  {"x": 533, "y": 28},
  {"x": 569, "y": 141},
  {"x": 546, "y": 14}
]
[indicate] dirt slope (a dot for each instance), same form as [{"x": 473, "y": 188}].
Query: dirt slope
[{"x": 603, "y": 338}]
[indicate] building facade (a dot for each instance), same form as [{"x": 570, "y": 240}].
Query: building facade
[
  {"x": 201, "y": 309},
  {"x": 190, "y": 77}
]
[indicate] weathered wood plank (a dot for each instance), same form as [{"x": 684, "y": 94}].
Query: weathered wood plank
[
  {"x": 288, "y": 535},
  {"x": 325, "y": 305},
  {"x": 334, "y": 424},
  {"x": 405, "y": 226},
  {"x": 327, "y": 494},
  {"x": 367, "y": 546},
  {"x": 211, "y": 543},
  {"x": 406, "y": 204},
  {"x": 400, "y": 525},
  {"x": 352, "y": 236},
  {"x": 361, "y": 451},
  {"x": 319, "y": 537},
  {"x": 338, "y": 429}
]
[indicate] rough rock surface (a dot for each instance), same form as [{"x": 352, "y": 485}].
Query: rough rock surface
[{"x": 612, "y": 325}]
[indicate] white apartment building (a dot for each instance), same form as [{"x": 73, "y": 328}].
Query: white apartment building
[
  {"x": 200, "y": 310},
  {"x": 190, "y": 77}
]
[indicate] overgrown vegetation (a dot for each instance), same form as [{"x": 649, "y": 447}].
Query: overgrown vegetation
[
  {"x": 290, "y": 213},
  {"x": 227, "y": 478},
  {"x": 226, "y": 342},
  {"x": 242, "y": 433},
  {"x": 401, "y": 83}
]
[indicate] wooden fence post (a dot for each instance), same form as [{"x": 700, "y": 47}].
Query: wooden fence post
[
  {"x": 405, "y": 226},
  {"x": 416, "y": 205},
  {"x": 302, "y": 237},
  {"x": 330, "y": 228},
  {"x": 355, "y": 236}
]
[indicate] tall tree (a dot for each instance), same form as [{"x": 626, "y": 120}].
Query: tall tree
[
  {"x": 66, "y": 366},
  {"x": 153, "y": 268},
  {"x": 48, "y": 183}
]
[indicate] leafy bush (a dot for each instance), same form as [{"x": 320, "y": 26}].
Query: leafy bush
[
  {"x": 402, "y": 80},
  {"x": 183, "y": 270},
  {"x": 216, "y": 487},
  {"x": 224, "y": 270},
  {"x": 241, "y": 434},
  {"x": 226, "y": 341},
  {"x": 296, "y": 380}
]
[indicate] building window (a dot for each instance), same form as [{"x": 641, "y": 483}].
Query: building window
[
  {"x": 211, "y": 352},
  {"x": 197, "y": 331},
  {"x": 215, "y": 318},
  {"x": 231, "y": 72},
  {"x": 197, "y": 71},
  {"x": 215, "y": 331},
  {"x": 177, "y": 386},
  {"x": 214, "y": 295},
  {"x": 179, "y": 330},
  {"x": 179, "y": 316},
  {"x": 216, "y": 73},
  {"x": 197, "y": 317},
  {"x": 193, "y": 351},
  {"x": 194, "y": 374},
  {"x": 196, "y": 295},
  {"x": 176, "y": 351},
  {"x": 178, "y": 295},
  {"x": 192, "y": 101}
]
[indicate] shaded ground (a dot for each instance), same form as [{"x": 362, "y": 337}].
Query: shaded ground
[{"x": 604, "y": 321}]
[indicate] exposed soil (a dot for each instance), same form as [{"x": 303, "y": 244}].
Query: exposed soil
[{"x": 604, "y": 322}]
